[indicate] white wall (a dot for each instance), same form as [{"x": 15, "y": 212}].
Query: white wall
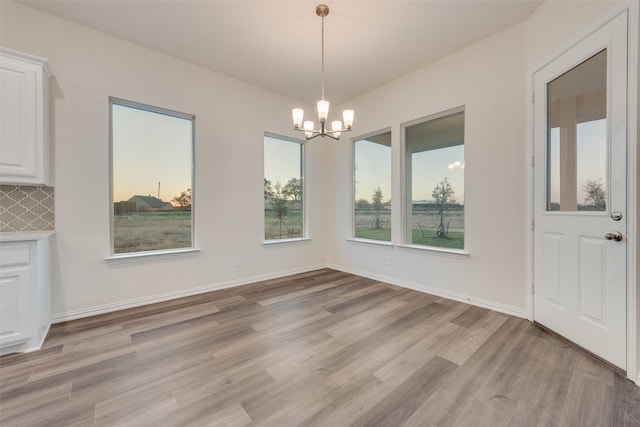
[
  {"x": 231, "y": 117},
  {"x": 488, "y": 79}
]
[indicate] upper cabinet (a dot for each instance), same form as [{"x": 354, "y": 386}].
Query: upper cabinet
[{"x": 24, "y": 118}]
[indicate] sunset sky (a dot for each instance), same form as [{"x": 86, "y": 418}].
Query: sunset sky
[
  {"x": 429, "y": 168},
  {"x": 149, "y": 148},
  {"x": 281, "y": 160},
  {"x": 372, "y": 169}
]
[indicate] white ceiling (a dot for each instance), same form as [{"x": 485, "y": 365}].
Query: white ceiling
[{"x": 276, "y": 44}]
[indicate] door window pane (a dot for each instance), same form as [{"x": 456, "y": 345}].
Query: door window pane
[
  {"x": 435, "y": 182},
  {"x": 372, "y": 187},
  {"x": 577, "y": 138},
  {"x": 283, "y": 188}
]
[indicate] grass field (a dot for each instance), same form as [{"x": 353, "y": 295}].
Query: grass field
[
  {"x": 383, "y": 234},
  {"x": 151, "y": 231},
  {"x": 290, "y": 228},
  {"x": 424, "y": 223},
  {"x": 365, "y": 225},
  {"x": 454, "y": 241}
]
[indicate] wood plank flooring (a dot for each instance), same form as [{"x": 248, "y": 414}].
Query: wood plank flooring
[{"x": 323, "y": 348}]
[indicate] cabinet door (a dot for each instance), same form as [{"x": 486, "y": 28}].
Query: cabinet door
[
  {"x": 19, "y": 118},
  {"x": 15, "y": 303}
]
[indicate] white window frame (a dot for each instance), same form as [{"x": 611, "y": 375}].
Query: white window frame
[
  {"x": 407, "y": 206},
  {"x": 353, "y": 141},
  {"x": 163, "y": 253},
  {"x": 303, "y": 183}
]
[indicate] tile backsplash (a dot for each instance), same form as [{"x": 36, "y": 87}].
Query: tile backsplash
[{"x": 26, "y": 208}]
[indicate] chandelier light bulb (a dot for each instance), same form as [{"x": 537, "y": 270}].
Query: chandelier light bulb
[
  {"x": 347, "y": 116},
  {"x": 298, "y": 114},
  {"x": 336, "y": 127},
  {"x": 308, "y": 127},
  {"x": 323, "y": 110}
]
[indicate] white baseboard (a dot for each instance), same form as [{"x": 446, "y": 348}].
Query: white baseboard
[
  {"x": 490, "y": 305},
  {"x": 108, "y": 308}
]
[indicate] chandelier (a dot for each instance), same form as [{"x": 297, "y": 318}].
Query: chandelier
[{"x": 308, "y": 126}]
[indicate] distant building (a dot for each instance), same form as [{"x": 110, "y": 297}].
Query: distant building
[
  {"x": 124, "y": 207},
  {"x": 142, "y": 204},
  {"x": 150, "y": 203},
  {"x": 423, "y": 204}
]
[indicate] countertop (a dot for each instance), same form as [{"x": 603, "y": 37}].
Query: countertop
[{"x": 24, "y": 236}]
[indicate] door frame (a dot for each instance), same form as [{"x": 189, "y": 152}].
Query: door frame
[{"x": 633, "y": 10}]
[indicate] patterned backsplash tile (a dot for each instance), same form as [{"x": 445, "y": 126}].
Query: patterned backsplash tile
[{"x": 26, "y": 208}]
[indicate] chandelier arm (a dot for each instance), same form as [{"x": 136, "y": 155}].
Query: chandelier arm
[{"x": 322, "y": 133}]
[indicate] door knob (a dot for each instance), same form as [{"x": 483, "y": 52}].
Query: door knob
[
  {"x": 616, "y": 215},
  {"x": 616, "y": 235}
]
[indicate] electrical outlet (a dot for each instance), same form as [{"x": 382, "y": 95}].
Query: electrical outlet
[
  {"x": 238, "y": 262},
  {"x": 387, "y": 260}
]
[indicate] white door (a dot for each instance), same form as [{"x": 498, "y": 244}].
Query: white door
[{"x": 580, "y": 137}]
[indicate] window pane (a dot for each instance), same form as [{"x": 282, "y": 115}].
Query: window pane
[
  {"x": 283, "y": 189},
  {"x": 577, "y": 138},
  {"x": 151, "y": 173},
  {"x": 372, "y": 187},
  {"x": 435, "y": 182}
]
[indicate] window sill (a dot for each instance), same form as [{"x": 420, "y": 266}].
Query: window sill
[
  {"x": 452, "y": 253},
  {"x": 150, "y": 256},
  {"x": 383, "y": 243},
  {"x": 285, "y": 241}
]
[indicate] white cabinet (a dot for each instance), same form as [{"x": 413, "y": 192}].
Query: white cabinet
[
  {"x": 24, "y": 119},
  {"x": 25, "y": 313},
  {"x": 15, "y": 295}
]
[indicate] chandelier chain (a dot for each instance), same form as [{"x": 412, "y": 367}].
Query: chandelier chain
[{"x": 322, "y": 56}]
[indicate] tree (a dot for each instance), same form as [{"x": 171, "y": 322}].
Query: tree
[
  {"x": 595, "y": 196},
  {"x": 293, "y": 189},
  {"x": 377, "y": 207},
  {"x": 183, "y": 199},
  {"x": 279, "y": 203},
  {"x": 363, "y": 204},
  {"x": 443, "y": 196},
  {"x": 268, "y": 189}
]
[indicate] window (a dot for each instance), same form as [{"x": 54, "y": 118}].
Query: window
[
  {"x": 283, "y": 188},
  {"x": 372, "y": 187},
  {"x": 151, "y": 178},
  {"x": 434, "y": 165}
]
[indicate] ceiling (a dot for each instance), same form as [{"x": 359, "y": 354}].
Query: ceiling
[{"x": 276, "y": 44}]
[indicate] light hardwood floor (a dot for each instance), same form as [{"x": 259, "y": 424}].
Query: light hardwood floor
[{"x": 323, "y": 348}]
